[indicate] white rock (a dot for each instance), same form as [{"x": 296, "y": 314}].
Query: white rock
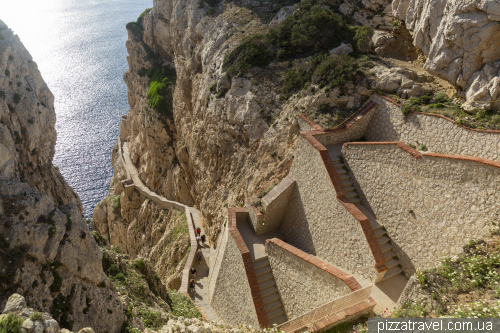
[
  {"x": 86, "y": 330},
  {"x": 282, "y": 14},
  {"x": 342, "y": 49},
  {"x": 51, "y": 326},
  {"x": 16, "y": 303}
]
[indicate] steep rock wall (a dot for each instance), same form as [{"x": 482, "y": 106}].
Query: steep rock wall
[
  {"x": 461, "y": 40},
  {"x": 27, "y": 119},
  {"x": 47, "y": 253}
]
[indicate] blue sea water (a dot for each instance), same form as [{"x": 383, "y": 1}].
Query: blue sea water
[{"x": 79, "y": 47}]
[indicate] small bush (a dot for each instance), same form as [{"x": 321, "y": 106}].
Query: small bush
[
  {"x": 250, "y": 53},
  {"x": 136, "y": 27},
  {"x": 52, "y": 231},
  {"x": 115, "y": 204},
  {"x": 160, "y": 91},
  {"x": 2, "y": 93},
  {"x": 181, "y": 305},
  {"x": 17, "y": 98},
  {"x": 57, "y": 283},
  {"x": 140, "y": 264},
  {"x": 36, "y": 316},
  {"x": 7, "y": 73},
  {"x": 221, "y": 93},
  {"x": 495, "y": 119},
  {"x": 363, "y": 38},
  {"x": 18, "y": 138},
  {"x": 142, "y": 72},
  {"x": 410, "y": 108},
  {"x": 11, "y": 324},
  {"x": 441, "y": 97}
]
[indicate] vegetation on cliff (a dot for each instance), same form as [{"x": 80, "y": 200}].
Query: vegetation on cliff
[{"x": 464, "y": 286}]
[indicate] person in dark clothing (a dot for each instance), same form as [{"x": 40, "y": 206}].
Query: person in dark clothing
[
  {"x": 203, "y": 237},
  {"x": 192, "y": 283},
  {"x": 193, "y": 272}
]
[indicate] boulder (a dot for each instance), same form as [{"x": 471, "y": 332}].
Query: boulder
[
  {"x": 15, "y": 304},
  {"x": 342, "y": 49}
]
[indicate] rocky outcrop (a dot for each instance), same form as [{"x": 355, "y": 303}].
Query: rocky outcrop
[
  {"x": 27, "y": 119},
  {"x": 460, "y": 39},
  {"x": 46, "y": 251},
  {"x": 34, "y": 321}
]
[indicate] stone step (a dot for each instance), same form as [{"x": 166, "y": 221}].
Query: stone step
[
  {"x": 355, "y": 200},
  {"x": 277, "y": 320},
  {"x": 391, "y": 263},
  {"x": 347, "y": 182},
  {"x": 392, "y": 272},
  {"x": 383, "y": 240},
  {"x": 349, "y": 188},
  {"x": 350, "y": 194},
  {"x": 270, "y": 298},
  {"x": 344, "y": 176},
  {"x": 266, "y": 284},
  {"x": 260, "y": 263},
  {"x": 262, "y": 270},
  {"x": 268, "y": 291},
  {"x": 273, "y": 305},
  {"x": 379, "y": 232},
  {"x": 373, "y": 220},
  {"x": 338, "y": 164},
  {"x": 275, "y": 313},
  {"x": 386, "y": 247},
  {"x": 389, "y": 254},
  {"x": 260, "y": 259},
  {"x": 341, "y": 171},
  {"x": 264, "y": 277}
]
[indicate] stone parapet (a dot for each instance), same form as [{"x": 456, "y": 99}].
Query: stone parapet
[
  {"x": 438, "y": 133},
  {"x": 430, "y": 203},
  {"x": 274, "y": 205},
  {"x": 305, "y": 281}
]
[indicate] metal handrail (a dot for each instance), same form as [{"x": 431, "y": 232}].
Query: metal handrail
[{"x": 309, "y": 318}]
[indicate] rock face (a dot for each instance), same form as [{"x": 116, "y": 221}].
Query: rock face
[
  {"x": 461, "y": 40},
  {"x": 34, "y": 321},
  {"x": 47, "y": 253},
  {"x": 27, "y": 118}
]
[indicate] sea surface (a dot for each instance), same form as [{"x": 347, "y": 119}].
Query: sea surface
[{"x": 79, "y": 47}]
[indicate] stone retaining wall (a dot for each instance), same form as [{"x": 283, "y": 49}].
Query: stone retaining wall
[
  {"x": 438, "y": 133},
  {"x": 236, "y": 296},
  {"x": 320, "y": 223},
  {"x": 305, "y": 282},
  {"x": 274, "y": 204},
  {"x": 430, "y": 204}
]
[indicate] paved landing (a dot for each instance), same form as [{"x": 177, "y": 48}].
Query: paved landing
[{"x": 256, "y": 243}]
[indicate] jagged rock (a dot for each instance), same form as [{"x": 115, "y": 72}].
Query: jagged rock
[
  {"x": 86, "y": 330},
  {"x": 15, "y": 304},
  {"x": 342, "y": 49},
  {"x": 282, "y": 15},
  {"x": 137, "y": 323},
  {"x": 380, "y": 39},
  {"x": 27, "y": 133},
  {"x": 461, "y": 40}
]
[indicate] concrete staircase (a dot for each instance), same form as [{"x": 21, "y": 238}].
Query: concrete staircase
[
  {"x": 270, "y": 296},
  {"x": 391, "y": 260}
]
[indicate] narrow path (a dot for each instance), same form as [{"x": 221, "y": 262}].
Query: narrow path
[{"x": 200, "y": 296}]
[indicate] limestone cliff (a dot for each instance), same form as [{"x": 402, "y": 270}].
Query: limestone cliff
[
  {"x": 27, "y": 119},
  {"x": 46, "y": 251},
  {"x": 460, "y": 40}
]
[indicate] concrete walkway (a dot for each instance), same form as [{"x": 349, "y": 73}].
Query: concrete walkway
[
  {"x": 256, "y": 244},
  {"x": 200, "y": 296}
]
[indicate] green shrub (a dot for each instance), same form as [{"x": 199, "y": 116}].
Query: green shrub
[
  {"x": 410, "y": 108},
  {"x": 17, "y": 98},
  {"x": 363, "y": 38},
  {"x": 116, "y": 204},
  {"x": 57, "y": 283},
  {"x": 2, "y": 93},
  {"x": 7, "y": 73},
  {"x": 336, "y": 71},
  {"x": 250, "y": 53},
  {"x": 140, "y": 264},
  {"x": 311, "y": 28},
  {"x": 11, "y": 324},
  {"x": 441, "y": 97},
  {"x": 160, "y": 91},
  {"x": 36, "y": 316},
  {"x": 142, "y": 72},
  {"x": 136, "y": 27},
  {"x": 52, "y": 231},
  {"x": 18, "y": 138},
  {"x": 181, "y": 305},
  {"x": 221, "y": 93},
  {"x": 495, "y": 119}
]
